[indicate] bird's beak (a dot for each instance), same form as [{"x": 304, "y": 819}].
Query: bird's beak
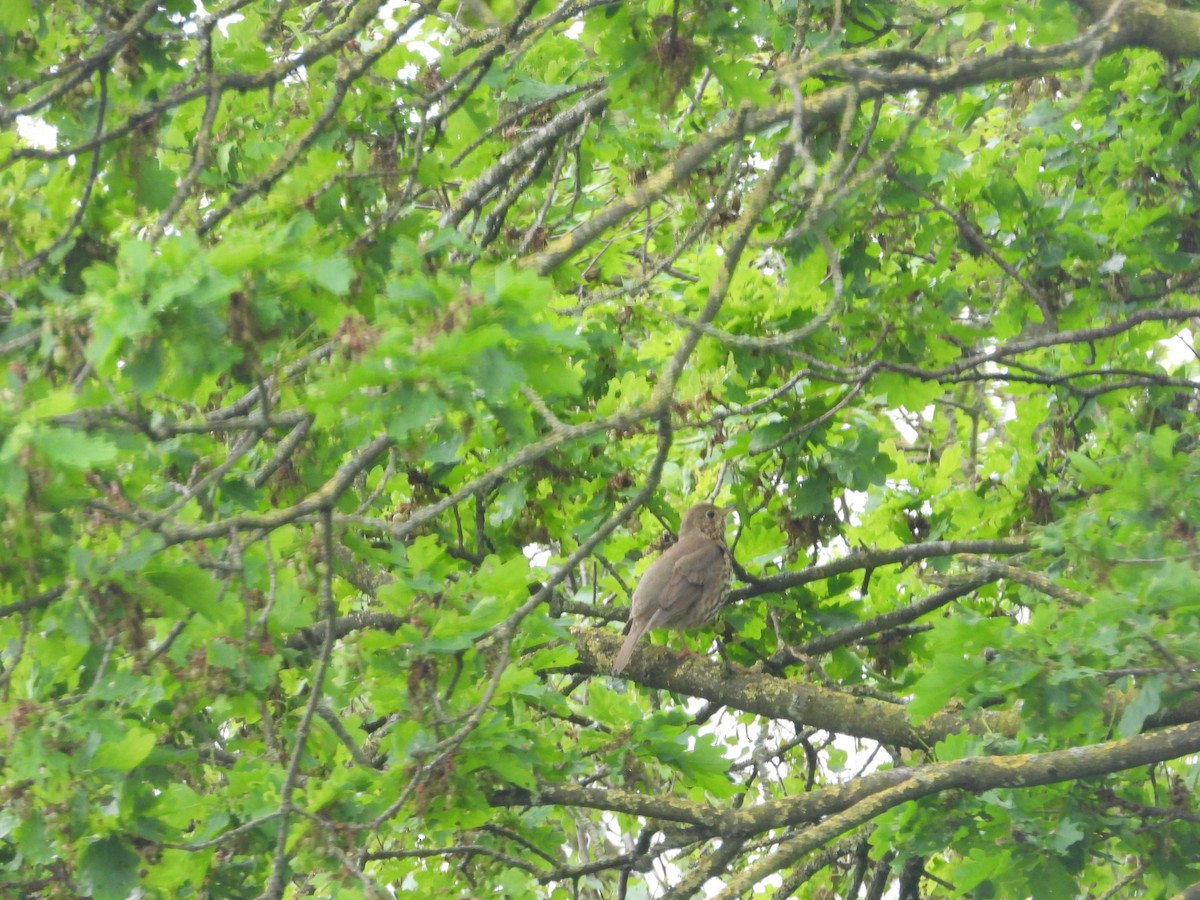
[{"x": 726, "y": 510}]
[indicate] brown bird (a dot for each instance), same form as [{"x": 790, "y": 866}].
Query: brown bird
[{"x": 684, "y": 587}]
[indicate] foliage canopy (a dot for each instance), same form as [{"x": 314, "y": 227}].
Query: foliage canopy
[{"x": 359, "y": 356}]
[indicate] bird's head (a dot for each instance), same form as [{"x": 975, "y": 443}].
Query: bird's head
[{"x": 706, "y": 519}]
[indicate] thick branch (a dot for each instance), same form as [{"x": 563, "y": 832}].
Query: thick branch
[
  {"x": 776, "y": 698},
  {"x": 819, "y": 707},
  {"x": 1155, "y": 26},
  {"x": 838, "y": 808},
  {"x": 977, "y": 774}
]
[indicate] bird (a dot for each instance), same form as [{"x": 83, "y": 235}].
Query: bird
[{"x": 683, "y": 588}]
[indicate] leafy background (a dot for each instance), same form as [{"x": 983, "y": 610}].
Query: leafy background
[{"x": 359, "y": 356}]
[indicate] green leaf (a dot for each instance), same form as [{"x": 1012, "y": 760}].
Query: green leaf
[
  {"x": 1091, "y": 474},
  {"x": 1067, "y": 833},
  {"x": 1145, "y": 703},
  {"x": 1049, "y": 878},
  {"x": 15, "y": 15},
  {"x": 333, "y": 274},
  {"x": 156, "y": 185},
  {"x": 74, "y": 449},
  {"x": 951, "y": 677},
  {"x": 127, "y": 753},
  {"x": 13, "y": 484},
  {"x": 108, "y": 869},
  {"x": 190, "y": 586}
]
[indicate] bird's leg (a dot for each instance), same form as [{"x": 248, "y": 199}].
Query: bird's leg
[
  {"x": 684, "y": 651},
  {"x": 687, "y": 649}
]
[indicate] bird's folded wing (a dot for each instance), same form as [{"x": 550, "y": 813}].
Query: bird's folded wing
[{"x": 694, "y": 573}]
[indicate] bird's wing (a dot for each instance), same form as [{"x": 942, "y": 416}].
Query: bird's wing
[{"x": 693, "y": 574}]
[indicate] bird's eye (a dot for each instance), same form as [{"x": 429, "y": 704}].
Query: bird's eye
[{"x": 711, "y": 514}]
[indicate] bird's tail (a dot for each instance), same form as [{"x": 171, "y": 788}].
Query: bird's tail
[{"x": 626, "y": 651}]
